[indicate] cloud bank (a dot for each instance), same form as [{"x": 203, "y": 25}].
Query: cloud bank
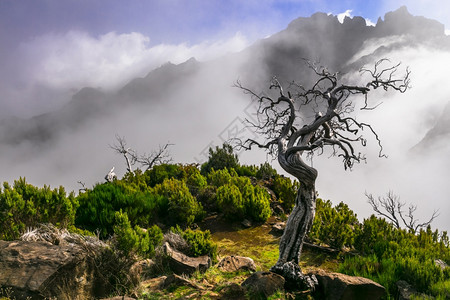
[{"x": 55, "y": 66}]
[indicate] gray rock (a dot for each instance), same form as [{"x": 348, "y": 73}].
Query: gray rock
[
  {"x": 441, "y": 264},
  {"x": 236, "y": 263},
  {"x": 263, "y": 284},
  {"x": 336, "y": 286},
  {"x": 39, "y": 270},
  {"x": 180, "y": 263}
]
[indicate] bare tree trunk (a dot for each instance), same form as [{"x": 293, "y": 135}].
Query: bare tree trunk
[
  {"x": 299, "y": 221},
  {"x": 298, "y": 225}
]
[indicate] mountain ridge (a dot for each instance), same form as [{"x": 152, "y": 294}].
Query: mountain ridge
[{"x": 318, "y": 37}]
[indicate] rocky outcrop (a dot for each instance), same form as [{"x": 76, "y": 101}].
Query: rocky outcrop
[
  {"x": 236, "y": 263},
  {"x": 39, "y": 270},
  {"x": 263, "y": 284},
  {"x": 336, "y": 286},
  {"x": 180, "y": 263}
]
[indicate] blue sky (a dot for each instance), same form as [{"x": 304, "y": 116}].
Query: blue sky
[
  {"x": 49, "y": 49},
  {"x": 178, "y": 21}
]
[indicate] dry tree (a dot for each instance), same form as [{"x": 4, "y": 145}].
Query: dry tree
[{"x": 280, "y": 122}]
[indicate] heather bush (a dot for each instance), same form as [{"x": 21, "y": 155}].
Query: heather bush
[
  {"x": 177, "y": 205},
  {"x": 135, "y": 239},
  {"x": 220, "y": 158},
  {"x": 229, "y": 202},
  {"x": 24, "y": 205},
  {"x": 99, "y": 205},
  {"x": 336, "y": 226},
  {"x": 286, "y": 191}
]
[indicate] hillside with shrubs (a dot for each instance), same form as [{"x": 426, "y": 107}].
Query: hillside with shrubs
[{"x": 138, "y": 212}]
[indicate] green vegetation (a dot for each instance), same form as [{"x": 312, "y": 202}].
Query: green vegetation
[
  {"x": 133, "y": 212},
  {"x": 335, "y": 226},
  {"x": 24, "y": 205},
  {"x": 384, "y": 253}
]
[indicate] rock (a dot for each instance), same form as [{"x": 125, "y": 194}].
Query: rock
[
  {"x": 278, "y": 228},
  {"x": 441, "y": 264},
  {"x": 246, "y": 223},
  {"x": 336, "y": 286},
  {"x": 236, "y": 263},
  {"x": 183, "y": 264},
  {"x": 39, "y": 270},
  {"x": 233, "y": 292},
  {"x": 263, "y": 284}
]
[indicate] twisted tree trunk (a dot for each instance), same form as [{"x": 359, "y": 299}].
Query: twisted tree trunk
[{"x": 300, "y": 220}]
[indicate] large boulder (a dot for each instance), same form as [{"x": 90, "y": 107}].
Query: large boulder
[
  {"x": 180, "y": 263},
  {"x": 38, "y": 270},
  {"x": 263, "y": 284},
  {"x": 336, "y": 286},
  {"x": 236, "y": 263}
]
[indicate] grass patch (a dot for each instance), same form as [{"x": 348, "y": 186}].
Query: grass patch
[{"x": 255, "y": 242}]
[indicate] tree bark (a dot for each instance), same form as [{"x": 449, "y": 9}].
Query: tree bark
[{"x": 299, "y": 221}]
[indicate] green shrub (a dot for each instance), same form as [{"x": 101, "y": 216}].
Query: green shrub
[
  {"x": 336, "y": 226},
  {"x": 201, "y": 243},
  {"x": 159, "y": 173},
  {"x": 135, "y": 240},
  {"x": 220, "y": 158},
  {"x": 392, "y": 254},
  {"x": 266, "y": 172},
  {"x": 219, "y": 178},
  {"x": 230, "y": 203},
  {"x": 256, "y": 202},
  {"x": 99, "y": 205},
  {"x": 24, "y": 205},
  {"x": 177, "y": 204},
  {"x": 248, "y": 171},
  {"x": 196, "y": 182},
  {"x": 286, "y": 192}
]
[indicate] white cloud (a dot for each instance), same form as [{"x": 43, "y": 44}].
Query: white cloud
[
  {"x": 347, "y": 13},
  {"x": 369, "y": 22},
  {"x": 50, "y": 68},
  {"x": 76, "y": 59},
  {"x": 447, "y": 31}
]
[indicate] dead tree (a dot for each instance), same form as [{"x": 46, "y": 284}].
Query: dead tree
[
  {"x": 290, "y": 137},
  {"x": 391, "y": 208},
  {"x": 147, "y": 161}
]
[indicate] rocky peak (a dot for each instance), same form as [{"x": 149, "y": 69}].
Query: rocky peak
[{"x": 401, "y": 21}]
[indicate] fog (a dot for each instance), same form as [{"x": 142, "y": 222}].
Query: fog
[
  {"x": 204, "y": 110},
  {"x": 402, "y": 120}
]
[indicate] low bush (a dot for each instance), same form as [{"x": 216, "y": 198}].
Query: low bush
[
  {"x": 229, "y": 202},
  {"x": 98, "y": 206},
  {"x": 177, "y": 205},
  {"x": 220, "y": 158},
  {"x": 286, "y": 192},
  {"x": 24, "y": 205},
  {"x": 136, "y": 240},
  {"x": 336, "y": 226}
]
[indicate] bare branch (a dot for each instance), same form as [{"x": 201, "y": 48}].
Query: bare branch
[
  {"x": 161, "y": 156},
  {"x": 129, "y": 154},
  {"x": 393, "y": 211}
]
